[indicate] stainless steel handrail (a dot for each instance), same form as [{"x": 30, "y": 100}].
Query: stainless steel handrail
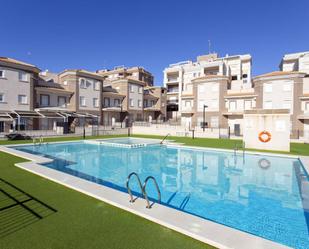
[
  {"x": 164, "y": 138},
  {"x": 128, "y": 185},
  {"x": 145, "y": 193}
]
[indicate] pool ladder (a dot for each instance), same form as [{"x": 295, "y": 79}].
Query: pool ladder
[
  {"x": 40, "y": 140},
  {"x": 143, "y": 188},
  {"x": 165, "y": 138},
  {"x": 236, "y": 148}
]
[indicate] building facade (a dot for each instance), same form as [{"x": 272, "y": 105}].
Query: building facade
[
  {"x": 121, "y": 72},
  {"x": 215, "y": 92},
  {"x": 208, "y": 90},
  {"x": 39, "y": 99}
]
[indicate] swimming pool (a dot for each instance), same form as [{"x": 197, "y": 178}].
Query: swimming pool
[{"x": 261, "y": 195}]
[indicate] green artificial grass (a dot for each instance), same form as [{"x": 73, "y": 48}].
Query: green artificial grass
[
  {"x": 80, "y": 221},
  {"x": 296, "y": 148}
]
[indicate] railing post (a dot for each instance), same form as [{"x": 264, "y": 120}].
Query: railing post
[{"x": 193, "y": 134}]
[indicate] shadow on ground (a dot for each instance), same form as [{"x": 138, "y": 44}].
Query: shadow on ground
[{"x": 19, "y": 209}]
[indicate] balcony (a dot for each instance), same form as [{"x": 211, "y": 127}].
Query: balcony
[
  {"x": 151, "y": 108},
  {"x": 116, "y": 108},
  {"x": 171, "y": 80},
  {"x": 187, "y": 109},
  {"x": 172, "y": 90}
]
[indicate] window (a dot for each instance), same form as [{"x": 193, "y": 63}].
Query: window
[
  {"x": 131, "y": 103},
  {"x": 140, "y": 89},
  {"x": 62, "y": 101},
  {"x": 65, "y": 82},
  {"x": 44, "y": 100},
  {"x": 2, "y": 74},
  {"x": 307, "y": 106},
  {"x": 145, "y": 103},
  {"x": 95, "y": 102},
  {"x": 22, "y": 99},
  {"x": 117, "y": 102},
  {"x": 82, "y": 101},
  {"x": 234, "y": 77},
  {"x": 96, "y": 86},
  {"x": 245, "y": 76},
  {"x": 268, "y": 88},
  {"x": 232, "y": 105},
  {"x": 107, "y": 102},
  {"x": 1, "y": 97},
  {"x": 248, "y": 104},
  {"x": 286, "y": 104},
  {"x": 188, "y": 103},
  {"x": 153, "y": 103},
  {"x": 131, "y": 89},
  {"x": 82, "y": 83},
  {"x": 287, "y": 87},
  {"x": 22, "y": 76},
  {"x": 139, "y": 103},
  {"x": 268, "y": 105}
]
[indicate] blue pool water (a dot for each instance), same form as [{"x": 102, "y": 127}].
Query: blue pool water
[{"x": 261, "y": 195}]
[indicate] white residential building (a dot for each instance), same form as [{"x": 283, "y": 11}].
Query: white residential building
[{"x": 206, "y": 75}]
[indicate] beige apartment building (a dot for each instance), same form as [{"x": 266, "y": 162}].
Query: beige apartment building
[
  {"x": 17, "y": 82},
  {"x": 212, "y": 90},
  {"x": 37, "y": 99},
  {"x": 129, "y": 100},
  {"x": 288, "y": 89},
  {"x": 121, "y": 72},
  {"x": 218, "y": 91}
]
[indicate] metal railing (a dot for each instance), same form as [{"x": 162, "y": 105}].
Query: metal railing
[
  {"x": 145, "y": 193},
  {"x": 128, "y": 185},
  {"x": 164, "y": 138},
  {"x": 143, "y": 188}
]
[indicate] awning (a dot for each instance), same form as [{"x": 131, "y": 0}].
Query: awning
[
  {"x": 25, "y": 114},
  {"x": 5, "y": 116},
  {"x": 78, "y": 115}
]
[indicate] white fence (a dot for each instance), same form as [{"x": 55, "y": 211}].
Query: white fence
[{"x": 177, "y": 130}]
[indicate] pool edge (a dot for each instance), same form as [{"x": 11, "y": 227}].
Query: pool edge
[{"x": 200, "y": 229}]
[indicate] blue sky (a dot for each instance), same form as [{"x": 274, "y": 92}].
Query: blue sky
[{"x": 56, "y": 34}]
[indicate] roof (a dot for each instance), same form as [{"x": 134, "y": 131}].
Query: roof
[
  {"x": 278, "y": 73},
  {"x": 17, "y": 62},
  {"x": 294, "y": 56},
  {"x": 53, "y": 89},
  {"x": 89, "y": 73}
]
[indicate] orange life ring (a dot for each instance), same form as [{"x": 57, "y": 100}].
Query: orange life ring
[{"x": 264, "y": 136}]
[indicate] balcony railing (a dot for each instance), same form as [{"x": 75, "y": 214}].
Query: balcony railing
[
  {"x": 172, "y": 90},
  {"x": 172, "y": 102},
  {"x": 174, "y": 79}
]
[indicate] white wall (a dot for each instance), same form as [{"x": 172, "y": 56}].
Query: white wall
[
  {"x": 278, "y": 125},
  {"x": 281, "y": 95},
  {"x": 208, "y": 94}
]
